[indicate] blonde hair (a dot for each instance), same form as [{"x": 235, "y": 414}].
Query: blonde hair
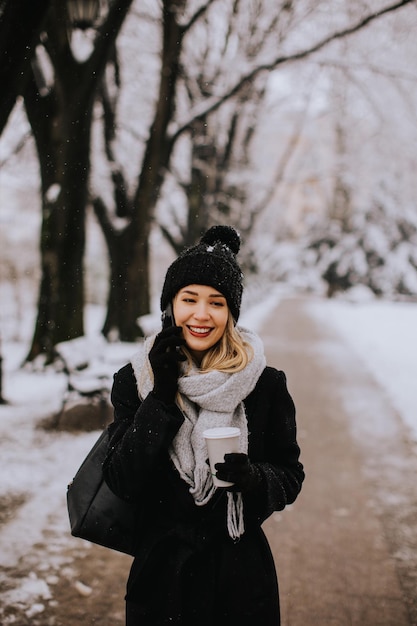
[{"x": 230, "y": 354}]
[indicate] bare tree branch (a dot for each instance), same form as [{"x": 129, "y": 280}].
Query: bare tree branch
[
  {"x": 396, "y": 77},
  {"x": 215, "y": 103},
  {"x": 203, "y": 9}
]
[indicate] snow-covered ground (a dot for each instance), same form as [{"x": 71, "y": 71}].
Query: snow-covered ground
[
  {"x": 384, "y": 335},
  {"x": 37, "y": 465}
]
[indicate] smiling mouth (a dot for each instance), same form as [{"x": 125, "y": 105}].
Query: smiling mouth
[{"x": 199, "y": 331}]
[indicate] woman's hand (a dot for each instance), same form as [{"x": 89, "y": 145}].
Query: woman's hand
[
  {"x": 164, "y": 358},
  {"x": 239, "y": 470}
]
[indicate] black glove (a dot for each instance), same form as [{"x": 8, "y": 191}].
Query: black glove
[
  {"x": 239, "y": 470},
  {"x": 164, "y": 357}
]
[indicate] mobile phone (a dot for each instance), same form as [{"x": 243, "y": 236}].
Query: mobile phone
[{"x": 168, "y": 317}]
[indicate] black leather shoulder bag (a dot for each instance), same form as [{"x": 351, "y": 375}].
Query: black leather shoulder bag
[{"x": 95, "y": 512}]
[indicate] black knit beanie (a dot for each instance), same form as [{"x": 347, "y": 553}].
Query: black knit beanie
[{"x": 211, "y": 262}]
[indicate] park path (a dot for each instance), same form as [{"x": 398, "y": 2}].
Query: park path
[{"x": 334, "y": 547}]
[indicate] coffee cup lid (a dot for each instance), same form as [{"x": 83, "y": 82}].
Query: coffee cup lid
[{"x": 221, "y": 432}]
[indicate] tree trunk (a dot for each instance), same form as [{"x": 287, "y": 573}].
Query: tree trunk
[
  {"x": 125, "y": 300},
  {"x": 61, "y": 124},
  {"x": 129, "y": 291},
  {"x": 156, "y": 160},
  {"x": 201, "y": 191},
  {"x": 129, "y": 288},
  {"x": 20, "y": 23},
  {"x": 64, "y": 164}
]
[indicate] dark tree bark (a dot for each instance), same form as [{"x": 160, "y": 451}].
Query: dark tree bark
[
  {"x": 61, "y": 124},
  {"x": 20, "y": 24},
  {"x": 129, "y": 249}
]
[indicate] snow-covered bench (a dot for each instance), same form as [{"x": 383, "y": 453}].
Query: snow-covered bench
[{"x": 89, "y": 363}]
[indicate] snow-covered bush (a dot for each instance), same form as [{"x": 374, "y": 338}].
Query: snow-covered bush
[{"x": 379, "y": 250}]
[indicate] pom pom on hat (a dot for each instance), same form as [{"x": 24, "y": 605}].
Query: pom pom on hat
[
  {"x": 226, "y": 235},
  {"x": 211, "y": 262}
]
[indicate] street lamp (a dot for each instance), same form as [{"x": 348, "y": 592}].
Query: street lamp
[
  {"x": 83, "y": 14},
  {"x": 83, "y": 18}
]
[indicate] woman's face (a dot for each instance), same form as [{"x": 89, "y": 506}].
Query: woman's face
[{"x": 202, "y": 313}]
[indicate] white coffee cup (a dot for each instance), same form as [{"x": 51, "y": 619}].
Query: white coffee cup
[{"x": 221, "y": 441}]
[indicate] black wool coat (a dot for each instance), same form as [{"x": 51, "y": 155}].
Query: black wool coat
[{"x": 187, "y": 570}]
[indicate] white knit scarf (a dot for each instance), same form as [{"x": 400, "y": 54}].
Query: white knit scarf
[{"x": 208, "y": 400}]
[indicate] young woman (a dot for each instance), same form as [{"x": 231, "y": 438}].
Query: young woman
[{"x": 201, "y": 557}]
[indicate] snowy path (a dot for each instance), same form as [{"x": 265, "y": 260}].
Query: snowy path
[
  {"x": 337, "y": 546},
  {"x": 384, "y": 335}
]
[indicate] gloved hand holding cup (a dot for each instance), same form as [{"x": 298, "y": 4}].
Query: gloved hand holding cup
[{"x": 221, "y": 441}]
